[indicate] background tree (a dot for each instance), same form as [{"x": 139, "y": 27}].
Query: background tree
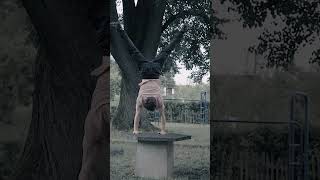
[
  {"x": 150, "y": 25},
  {"x": 115, "y": 79},
  {"x": 71, "y": 41},
  {"x": 288, "y": 26},
  {"x": 167, "y": 79},
  {"x": 16, "y": 58}
]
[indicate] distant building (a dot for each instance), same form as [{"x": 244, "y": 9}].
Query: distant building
[{"x": 168, "y": 85}]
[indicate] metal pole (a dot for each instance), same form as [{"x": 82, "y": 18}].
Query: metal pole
[
  {"x": 306, "y": 140},
  {"x": 290, "y": 142}
]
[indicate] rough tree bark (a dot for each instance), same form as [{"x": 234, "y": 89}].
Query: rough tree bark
[
  {"x": 63, "y": 88},
  {"x": 143, "y": 23}
]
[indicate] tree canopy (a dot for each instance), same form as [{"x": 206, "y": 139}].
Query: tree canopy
[
  {"x": 193, "y": 51},
  {"x": 288, "y": 25},
  {"x": 152, "y": 25}
]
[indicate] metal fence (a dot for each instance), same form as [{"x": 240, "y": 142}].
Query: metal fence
[
  {"x": 298, "y": 163},
  {"x": 183, "y": 111},
  {"x": 245, "y": 165}
]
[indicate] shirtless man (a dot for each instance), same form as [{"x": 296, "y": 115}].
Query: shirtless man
[
  {"x": 150, "y": 98},
  {"x": 149, "y": 95}
]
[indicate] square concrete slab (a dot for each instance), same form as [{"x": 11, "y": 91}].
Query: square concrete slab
[
  {"x": 155, "y": 154},
  {"x": 156, "y": 137}
]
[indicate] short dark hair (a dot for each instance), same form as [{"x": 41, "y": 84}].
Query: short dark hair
[{"x": 150, "y": 103}]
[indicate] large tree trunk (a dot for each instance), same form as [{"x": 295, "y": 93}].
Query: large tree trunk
[
  {"x": 143, "y": 24},
  {"x": 129, "y": 91},
  {"x": 146, "y": 31},
  {"x": 63, "y": 88}
]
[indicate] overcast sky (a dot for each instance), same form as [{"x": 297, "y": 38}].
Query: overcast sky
[{"x": 182, "y": 77}]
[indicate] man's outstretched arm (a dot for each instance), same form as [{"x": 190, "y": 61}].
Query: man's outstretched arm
[
  {"x": 167, "y": 50},
  {"x": 133, "y": 50}
]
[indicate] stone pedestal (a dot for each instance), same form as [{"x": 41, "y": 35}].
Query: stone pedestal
[{"x": 155, "y": 154}]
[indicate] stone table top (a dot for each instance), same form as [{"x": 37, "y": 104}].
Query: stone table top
[{"x": 156, "y": 137}]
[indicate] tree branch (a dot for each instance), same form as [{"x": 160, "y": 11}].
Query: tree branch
[
  {"x": 129, "y": 13},
  {"x": 133, "y": 50},
  {"x": 167, "y": 50},
  {"x": 118, "y": 46},
  {"x": 185, "y": 14},
  {"x": 99, "y": 17}
]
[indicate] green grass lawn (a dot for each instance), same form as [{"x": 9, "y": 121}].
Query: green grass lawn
[{"x": 192, "y": 157}]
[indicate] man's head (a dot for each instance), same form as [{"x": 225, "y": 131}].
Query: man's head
[{"x": 150, "y": 103}]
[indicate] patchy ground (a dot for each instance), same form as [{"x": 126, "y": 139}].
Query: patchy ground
[{"x": 192, "y": 157}]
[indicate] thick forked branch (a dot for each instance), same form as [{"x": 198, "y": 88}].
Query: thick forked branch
[
  {"x": 100, "y": 21},
  {"x": 150, "y": 14},
  {"x": 133, "y": 50},
  {"x": 129, "y": 15},
  {"x": 118, "y": 45},
  {"x": 185, "y": 14},
  {"x": 167, "y": 50}
]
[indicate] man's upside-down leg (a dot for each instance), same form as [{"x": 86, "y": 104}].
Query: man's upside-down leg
[{"x": 95, "y": 140}]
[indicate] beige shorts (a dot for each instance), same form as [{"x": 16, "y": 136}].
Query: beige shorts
[{"x": 142, "y": 98}]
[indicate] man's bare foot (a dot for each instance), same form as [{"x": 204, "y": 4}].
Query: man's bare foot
[{"x": 162, "y": 132}]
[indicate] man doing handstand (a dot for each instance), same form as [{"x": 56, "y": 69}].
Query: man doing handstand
[{"x": 149, "y": 95}]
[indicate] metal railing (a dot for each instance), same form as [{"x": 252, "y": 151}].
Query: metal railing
[
  {"x": 298, "y": 135},
  {"x": 184, "y": 111}
]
